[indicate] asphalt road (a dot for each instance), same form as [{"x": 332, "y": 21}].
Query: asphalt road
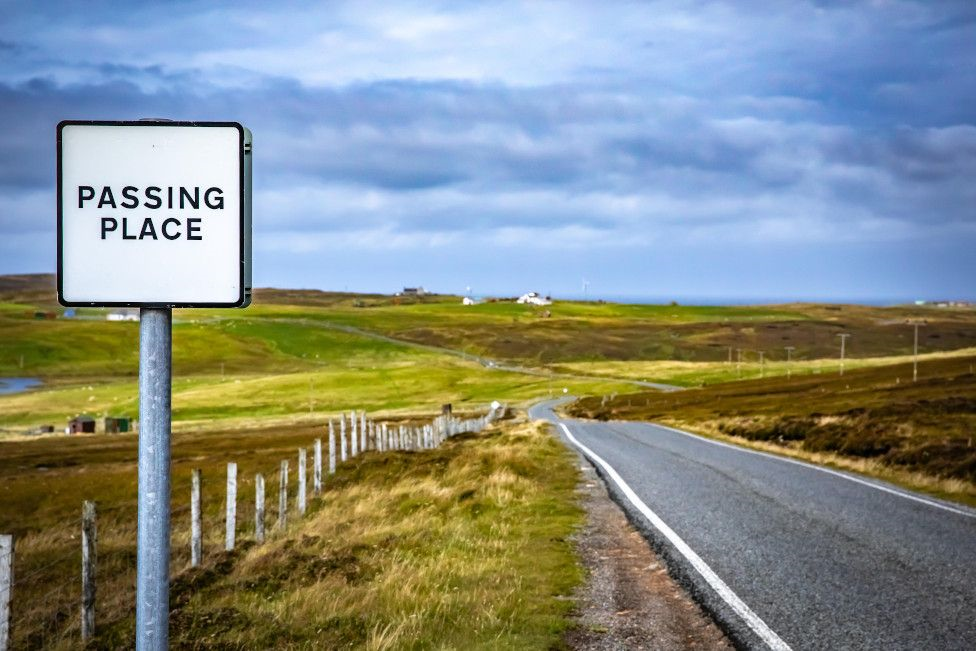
[{"x": 823, "y": 560}]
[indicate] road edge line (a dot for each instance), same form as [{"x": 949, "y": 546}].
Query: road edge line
[
  {"x": 751, "y": 619},
  {"x": 829, "y": 471}
]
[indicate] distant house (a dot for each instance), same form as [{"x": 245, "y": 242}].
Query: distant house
[
  {"x": 533, "y": 298},
  {"x": 467, "y": 300},
  {"x": 413, "y": 291},
  {"x": 81, "y": 425},
  {"x": 117, "y": 424},
  {"x": 123, "y": 315}
]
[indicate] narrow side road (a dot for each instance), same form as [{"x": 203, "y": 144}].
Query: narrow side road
[{"x": 786, "y": 555}]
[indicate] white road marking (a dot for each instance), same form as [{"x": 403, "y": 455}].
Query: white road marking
[
  {"x": 751, "y": 619},
  {"x": 856, "y": 480}
]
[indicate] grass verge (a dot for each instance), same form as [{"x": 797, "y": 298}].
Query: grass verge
[
  {"x": 872, "y": 420},
  {"x": 466, "y": 546}
]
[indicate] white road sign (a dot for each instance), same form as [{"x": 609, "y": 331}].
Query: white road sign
[{"x": 154, "y": 214}]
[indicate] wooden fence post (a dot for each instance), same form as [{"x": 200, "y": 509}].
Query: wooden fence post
[
  {"x": 342, "y": 438},
  {"x": 332, "y": 448},
  {"x": 231, "y": 506},
  {"x": 196, "y": 530},
  {"x": 259, "y": 507},
  {"x": 301, "y": 481},
  {"x": 283, "y": 496},
  {"x": 362, "y": 430},
  {"x": 317, "y": 469},
  {"x": 354, "y": 438},
  {"x": 89, "y": 535},
  {"x": 6, "y": 587}
]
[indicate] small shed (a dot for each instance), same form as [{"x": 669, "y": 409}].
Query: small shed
[
  {"x": 81, "y": 425},
  {"x": 117, "y": 424}
]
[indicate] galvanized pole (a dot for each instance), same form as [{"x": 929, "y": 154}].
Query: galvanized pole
[{"x": 155, "y": 386}]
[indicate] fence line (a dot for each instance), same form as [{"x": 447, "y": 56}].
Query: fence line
[{"x": 363, "y": 434}]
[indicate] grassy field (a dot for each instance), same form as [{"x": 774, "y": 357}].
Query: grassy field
[
  {"x": 564, "y": 332},
  {"x": 695, "y": 374},
  {"x": 464, "y": 546},
  {"x": 265, "y": 364},
  {"x": 873, "y": 420}
]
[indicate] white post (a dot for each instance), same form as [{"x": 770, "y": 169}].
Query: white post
[
  {"x": 301, "y": 481},
  {"x": 317, "y": 470},
  {"x": 6, "y": 588},
  {"x": 89, "y": 537},
  {"x": 342, "y": 438},
  {"x": 259, "y": 507},
  {"x": 362, "y": 430},
  {"x": 283, "y": 496},
  {"x": 332, "y": 448},
  {"x": 354, "y": 438},
  {"x": 231, "y": 518},
  {"x": 196, "y": 530}
]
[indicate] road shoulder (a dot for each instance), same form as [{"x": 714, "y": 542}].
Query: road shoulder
[{"x": 629, "y": 601}]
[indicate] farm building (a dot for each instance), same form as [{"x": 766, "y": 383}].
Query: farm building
[
  {"x": 118, "y": 424},
  {"x": 81, "y": 425},
  {"x": 533, "y": 298}
]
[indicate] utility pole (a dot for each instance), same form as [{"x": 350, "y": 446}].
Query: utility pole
[
  {"x": 789, "y": 361},
  {"x": 915, "y": 351},
  {"x": 843, "y": 340},
  {"x": 762, "y": 364}
]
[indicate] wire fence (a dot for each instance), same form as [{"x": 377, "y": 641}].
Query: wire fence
[{"x": 43, "y": 592}]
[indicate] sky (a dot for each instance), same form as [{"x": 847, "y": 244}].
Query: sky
[{"x": 724, "y": 151}]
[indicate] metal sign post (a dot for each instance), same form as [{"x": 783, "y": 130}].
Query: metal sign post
[
  {"x": 155, "y": 391},
  {"x": 154, "y": 215}
]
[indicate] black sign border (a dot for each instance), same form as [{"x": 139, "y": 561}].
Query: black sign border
[{"x": 243, "y": 299}]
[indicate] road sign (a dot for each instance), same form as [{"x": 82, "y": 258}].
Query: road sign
[{"x": 154, "y": 214}]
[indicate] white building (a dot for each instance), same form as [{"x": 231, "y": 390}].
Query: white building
[
  {"x": 123, "y": 315},
  {"x": 467, "y": 300},
  {"x": 533, "y": 298}
]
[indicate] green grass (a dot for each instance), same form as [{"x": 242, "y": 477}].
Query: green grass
[
  {"x": 466, "y": 546},
  {"x": 694, "y": 374}
]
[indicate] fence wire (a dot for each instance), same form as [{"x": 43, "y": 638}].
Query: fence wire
[{"x": 38, "y": 619}]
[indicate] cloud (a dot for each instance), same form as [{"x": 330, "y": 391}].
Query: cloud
[{"x": 407, "y": 128}]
